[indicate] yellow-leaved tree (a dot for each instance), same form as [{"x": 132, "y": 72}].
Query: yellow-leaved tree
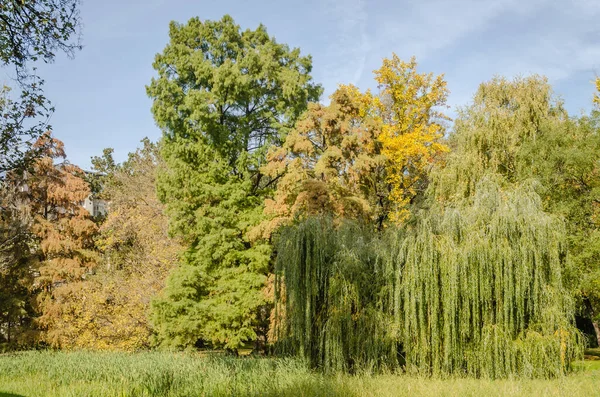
[
  {"x": 408, "y": 107},
  {"x": 109, "y": 310}
]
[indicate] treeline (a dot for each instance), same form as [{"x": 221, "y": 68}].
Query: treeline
[
  {"x": 71, "y": 281},
  {"x": 369, "y": 233}
]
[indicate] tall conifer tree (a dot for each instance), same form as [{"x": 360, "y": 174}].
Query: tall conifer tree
[{"x": 222, "y": 97}]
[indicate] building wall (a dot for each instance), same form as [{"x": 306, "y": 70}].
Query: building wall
[{"x": 95, "y": 207}]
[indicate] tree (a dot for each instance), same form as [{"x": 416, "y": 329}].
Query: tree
[
  {"x": 102, "y": 167},
  {"x": 65, "y": 233},
  {"x": 411, "y": 127},
  {"x": 21, "y": 122},
  {"x": 566, "y": 159},
  {"x": 31, "y": 31},
  {"x": 482, "y": 287},
  {"x": 364, "y": 156},
  {"x": 527, "y": 134},
  {"x": 36, "y": 29},
  {"x": 110, "y": 309},
  {"x": 17, "y": 267},
  {"x": 472, "y": 283},
  {"x": 334, "y": 296},
  {"x": 330, "y": 164},
  {"x": 223, "y": 96}
]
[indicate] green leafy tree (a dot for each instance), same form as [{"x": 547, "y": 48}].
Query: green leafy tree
[
  {"x": 102, "y": 167},
  {"x": 31, "y": 31},
  {"x": 334, "y": 295},
  {"x": 222, "y": 97},
  {"x": 474, "y": 281},
  {"x": 565, "y": 158},
  {"x": 482, "y": 271},
  {"x": 17, "y": 266},
  {"x": 526, "y": 134}
]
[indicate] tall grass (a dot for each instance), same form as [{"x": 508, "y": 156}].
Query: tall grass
[
  {"x": 177, "y": 374},
  {"x": 155, "y": 374}
]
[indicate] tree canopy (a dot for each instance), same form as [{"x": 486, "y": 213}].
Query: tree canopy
[
  {"x": 364, "y": 156},
  {"x": 222, "y": 96},
  {"x": 331, "y": 163},
  {"x": 472, "y": 284}
]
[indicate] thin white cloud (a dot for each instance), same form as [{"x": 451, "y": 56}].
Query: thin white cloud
[
  {"x": 348, "y": 45},
  {"x": 563, "y": 45},
  {"x": 432, "y": 25},
  {"x": 472, "y": 40}
]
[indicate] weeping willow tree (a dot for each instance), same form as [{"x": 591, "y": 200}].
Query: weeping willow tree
[
  {"x": 479, "y": 277},
  {"x": 472, "y": 286},
  {"x": 334, "y": 293},
  {"x": 480, "y": 290}
]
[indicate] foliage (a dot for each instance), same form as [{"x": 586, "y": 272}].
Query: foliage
[
  {"x": 411, "y": 127},
  {"x": 520, "y": 131},
  {"x": 331, "y": 163},
  {"x": 65, "y": 232},
  {"x": 30, "y": 31},
  {"x": 223, "y": 95},
  {"x": 363, "y": 156},
  {"x": 481, "y": 271},
  {"x": 102, "y": 168},
  {"x": 480, "y": 288},
  {"x": 576, "y": 194},
  {"x": 491, "y": 133},
  {"x": 336, "y": 309},
  {"x": 110, "y": 309},
  {"x": 22, "y": 121},
  {"x": 36, "y": 30},
  {"x": 597, "y": 94},
  {"x": 474, "y": 282},
  {"x": 17, "y": 265},
  {"x": 566, "y": 160}
]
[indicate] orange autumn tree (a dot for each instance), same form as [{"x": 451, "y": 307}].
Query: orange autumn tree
[
  {"x": 65, "y": 232},
  {"x": 412, "y": 127},
  {"x": 331, "y": 163}
]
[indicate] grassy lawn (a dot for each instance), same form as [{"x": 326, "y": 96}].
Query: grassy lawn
[{"x": 169, "y": 374}]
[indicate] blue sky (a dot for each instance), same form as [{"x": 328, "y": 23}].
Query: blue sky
[{"x": 100, "y": 95}]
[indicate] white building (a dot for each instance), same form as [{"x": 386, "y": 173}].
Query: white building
[{"x": 95, "y": 206}]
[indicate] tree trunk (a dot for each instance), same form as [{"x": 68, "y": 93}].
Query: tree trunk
[
  {"x": 591, "y": 313},
  {"x": 597, "y": 329}
]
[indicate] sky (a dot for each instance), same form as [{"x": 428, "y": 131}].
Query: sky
[{"x": 100, "y": 95}]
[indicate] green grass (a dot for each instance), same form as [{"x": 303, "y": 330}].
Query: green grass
[{"x": 168, "y": 374}]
